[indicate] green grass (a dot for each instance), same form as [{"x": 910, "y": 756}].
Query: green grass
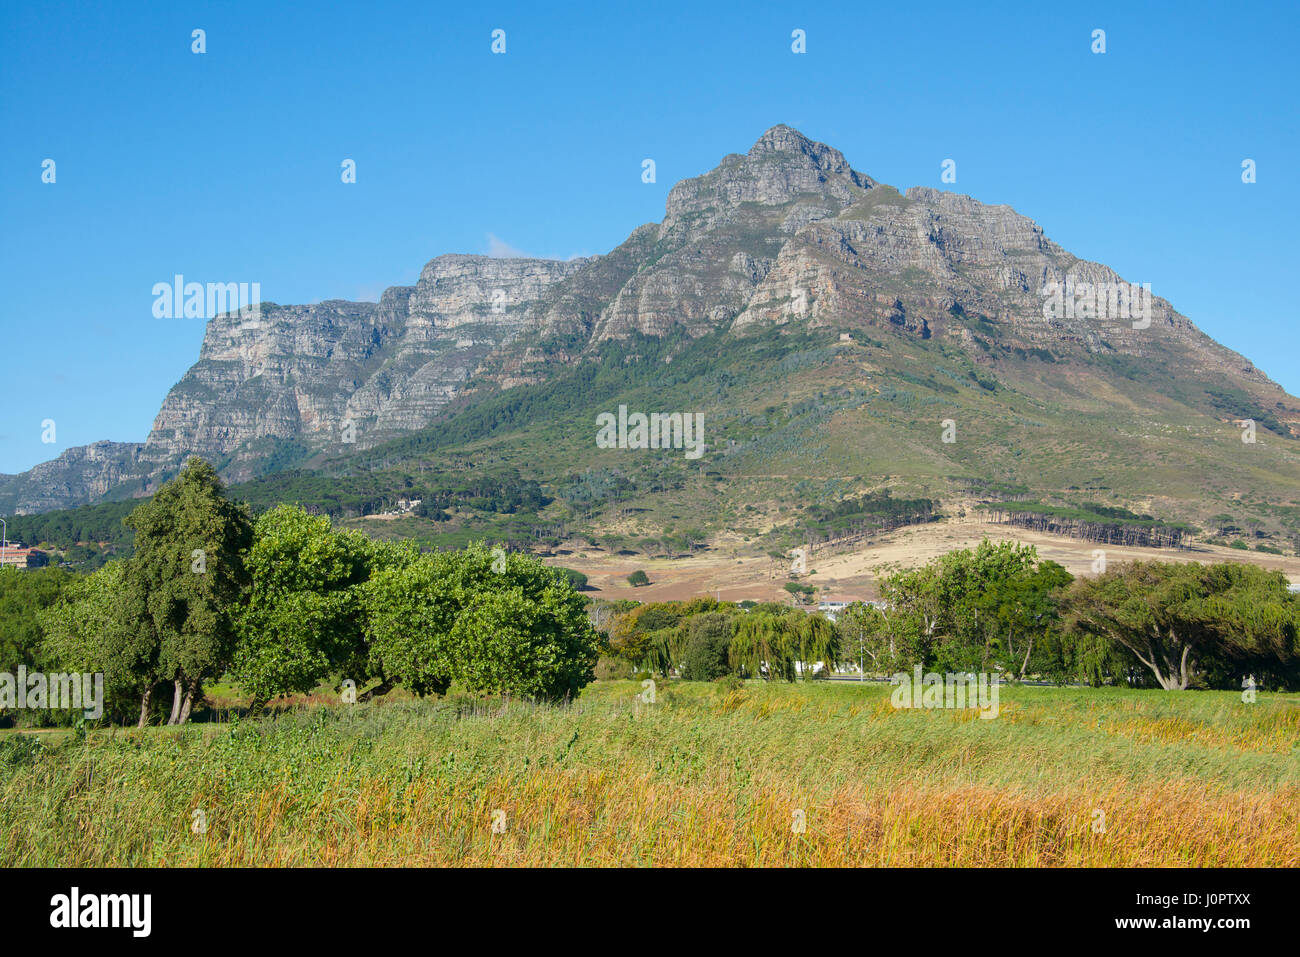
[{"x": 700, "y": 776}]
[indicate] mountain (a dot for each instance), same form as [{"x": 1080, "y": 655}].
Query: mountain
[{"x": 824, "y": 323}]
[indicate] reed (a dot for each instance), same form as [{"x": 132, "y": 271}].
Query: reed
[{"x": 811, "y": 774}]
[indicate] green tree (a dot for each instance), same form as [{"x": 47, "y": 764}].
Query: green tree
[
  {"x": 495, "y": 622},
  {"x": 763, "y": 645},
  {"x": 187, "y": 578},
  {"x": 1069, "y": 654},
  {"x": 797, "y": 591},
  {"x": 24, "y": 595},
  {"x": 707, "y": 646},
  {"x": 1187, "y": 622},
  {"x": 411, "y": 608},
  {"x": 814, "y": 640},
  {"x": 97, "y": 628},
  {"x": 974, "y": 608},
  {"x": 303, "y": 616},
  {"x": 866, "y": 639},
  {"x": 576, "y": 578},
  {"x": 652, "y": 635},
  {"x": 540, "y": 645},
  {"x": 1023, "y": 607}
]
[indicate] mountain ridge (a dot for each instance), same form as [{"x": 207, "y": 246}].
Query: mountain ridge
[{"x": 788, "y": 235}]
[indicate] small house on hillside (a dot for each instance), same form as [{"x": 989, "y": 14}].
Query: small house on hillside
[{"x": 13, "y": 555}]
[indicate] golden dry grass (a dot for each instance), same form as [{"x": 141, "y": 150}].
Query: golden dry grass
[{"x": 701, "y": 778}]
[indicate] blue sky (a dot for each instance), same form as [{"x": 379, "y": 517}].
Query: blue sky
[{"x": 225, "y": 166}]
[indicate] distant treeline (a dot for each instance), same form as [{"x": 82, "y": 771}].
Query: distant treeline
[
  {"x": 67, "y": 527},
  {"x": 868, "y": 514},
  {"x": 369, "y": 494},
  {"x": 343, "y": 497},
  {"x": 989, "y": 489},
  {"x": 1108, "y": 525},
  {"x": 997, "y": 608}
]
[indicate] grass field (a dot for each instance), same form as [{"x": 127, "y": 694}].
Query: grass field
[{"x": 703, "y": 776}]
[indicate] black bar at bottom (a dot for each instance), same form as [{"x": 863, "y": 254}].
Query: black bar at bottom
[{"x": 339, "y": 906}]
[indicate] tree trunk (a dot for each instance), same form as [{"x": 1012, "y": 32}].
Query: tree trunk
[
  {"x": 1024, "y": 665},
  {"x": 1186, "y": 668},
  {"x": 1150, "y": 660},
  {"x": 178, "y": 696},
  {"x": 190, "y": 690},
  {"x": 384, "y": 686},
  {"x": 144, "y": 705}
]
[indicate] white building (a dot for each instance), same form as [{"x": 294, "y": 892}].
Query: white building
[{"x": 831, "y": 608}]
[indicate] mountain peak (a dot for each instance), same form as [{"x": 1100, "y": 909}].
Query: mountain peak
[
  {"x": 781, "y": 167},
  {"x": 782, "y": 139}
]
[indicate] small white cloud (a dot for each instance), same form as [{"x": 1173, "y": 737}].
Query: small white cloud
[{"x": 500, "y": 249}]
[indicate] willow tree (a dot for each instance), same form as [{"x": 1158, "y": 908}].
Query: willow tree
[
  {"x": 662, "y": 649},
  {"x": 815, "y": 641},
  {"x": 654, "y": 635},
  {"x": 1257, "y": 625},
  {"x": 764, "y": 645}
]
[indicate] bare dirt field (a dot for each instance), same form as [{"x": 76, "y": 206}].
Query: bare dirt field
[{"x": 731, "y": 572}]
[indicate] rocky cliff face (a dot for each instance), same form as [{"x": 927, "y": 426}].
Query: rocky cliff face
[
  {"x": 788, "y": 233},
  {"x": 79, "y": 475},
  {"x": 339, "y": 373}
]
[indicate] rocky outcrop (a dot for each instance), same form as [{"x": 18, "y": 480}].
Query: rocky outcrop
[{"x": 81, "y": 474}]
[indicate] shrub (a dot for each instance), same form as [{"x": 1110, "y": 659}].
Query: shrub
[
  {"x": 638, "y": 578},
  {"x": 577, "y": 579},
  {"x": 729, "y": 683}
]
